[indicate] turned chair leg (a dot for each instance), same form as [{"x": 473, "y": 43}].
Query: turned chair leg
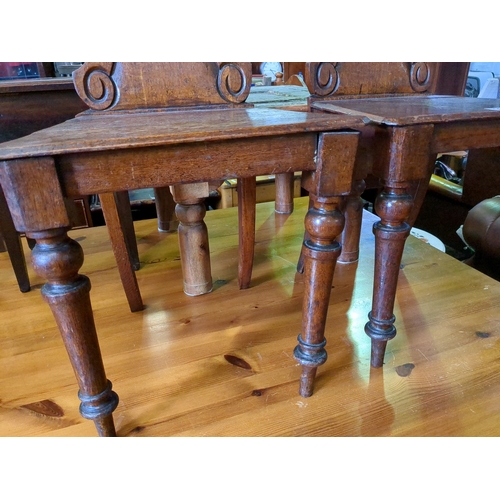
[
  {"x": 324, "y": 222},
  {"x": 193, "y": 237},
  {"x": 57, "y": 259},
  {"x": 393, "y": 206}
]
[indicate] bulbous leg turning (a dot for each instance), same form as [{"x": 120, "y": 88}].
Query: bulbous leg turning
[
  {"x": 320, "y": 251},
  {"x": 393, "y": 206},
  {"x": 57, "y": 258}
]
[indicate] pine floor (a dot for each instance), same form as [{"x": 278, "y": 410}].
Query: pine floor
[{"x": 222, "y": 364}]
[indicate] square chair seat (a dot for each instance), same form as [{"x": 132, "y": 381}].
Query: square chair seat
[
  {"x": 94, "y": 132},
  {"x": 409, "y": 110}
]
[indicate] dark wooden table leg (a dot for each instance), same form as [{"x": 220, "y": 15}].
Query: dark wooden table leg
[
  {"x": 193, "y": 237},
  {"x": 246, "y": 188},
  {"x": 118, "y": 235},
  {"x": 57, "y": 258}
]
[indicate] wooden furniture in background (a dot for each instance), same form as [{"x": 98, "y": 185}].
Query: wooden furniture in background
[
  {"x": 399, "y": 145},
  {"x": 27, "y": 105},
  {"x": 131, "y": 141}
]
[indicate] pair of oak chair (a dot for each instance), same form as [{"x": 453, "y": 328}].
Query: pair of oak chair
[{"x": 187, "y": 125}]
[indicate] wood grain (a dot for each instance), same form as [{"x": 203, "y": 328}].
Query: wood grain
[
  {"x": 221, "y": 364},
  {"x": 114, "y": 130}
]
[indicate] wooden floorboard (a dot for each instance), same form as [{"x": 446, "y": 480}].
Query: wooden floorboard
[{"x": 222, "y": 364}]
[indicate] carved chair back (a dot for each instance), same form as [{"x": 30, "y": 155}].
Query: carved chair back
[
  {"x": 340, "y": 80},
  {"x": 106, "y": 86}
]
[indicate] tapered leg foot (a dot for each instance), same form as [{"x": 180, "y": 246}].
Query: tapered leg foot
[
  {"x": 380, "y": 332},
  {"x": 99, "y": 408},
  {"x": 307, "y": 378},
  {"x": 105, "y": 426}
]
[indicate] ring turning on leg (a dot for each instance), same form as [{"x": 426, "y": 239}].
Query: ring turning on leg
[
  {"x": 324, "y": 222},
  {"x": 393, "y": 206}
]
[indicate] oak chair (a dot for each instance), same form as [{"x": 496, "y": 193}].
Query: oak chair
[
  {"x": 182, "y": 125},
  {"x": 409, "y": 125}
]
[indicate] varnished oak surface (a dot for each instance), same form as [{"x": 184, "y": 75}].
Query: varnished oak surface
[
  {"x": 221, "y": 364},
  {"x": 113, "y": 130},
  {"x": 400, "y": 110}
]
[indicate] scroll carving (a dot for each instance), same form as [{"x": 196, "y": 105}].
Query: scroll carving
[
  {"x": 234, "y": 81},
  {"x": 420, "y": 76},
  {"x": 322, "y": 78},
  {"x": 94, "y": 85}
]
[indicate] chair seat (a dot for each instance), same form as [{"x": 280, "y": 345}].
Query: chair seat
[
  {"x": 126, "y": 130},
  {"x": 415, "y": 109}
]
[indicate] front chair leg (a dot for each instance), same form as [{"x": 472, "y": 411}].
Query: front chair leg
[
  {"x": 57, "y": 258},
  {"x": 323, "y": 223},
  {"x": 393, "y": 206}
]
